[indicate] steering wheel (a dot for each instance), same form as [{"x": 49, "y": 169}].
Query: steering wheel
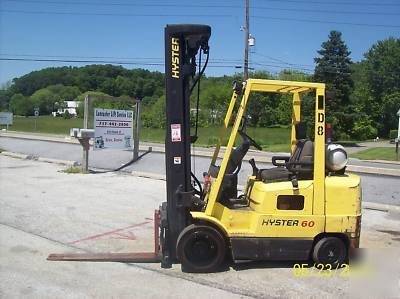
[
  {"x": 199, "y": 189},
  {"x": 251, "y": 140}
]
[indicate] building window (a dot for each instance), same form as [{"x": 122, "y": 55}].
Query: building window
[{"x": 290, "y": 202}]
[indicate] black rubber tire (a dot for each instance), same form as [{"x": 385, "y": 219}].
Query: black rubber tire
[
  {"x": 330, "y": 251},
  {"x": 200, "y": 249}
]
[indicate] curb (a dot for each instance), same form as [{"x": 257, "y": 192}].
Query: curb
[
  {"x": 201, "y": 153},
  {"x": 383, "y": 161},
  {"x": 373, "y": 170},
  {"x": 39, "y": 137},
  {"x": 58, "y": 161},
  {"x": 40, "y": 159},
  {"x": 16, "y": 155}
]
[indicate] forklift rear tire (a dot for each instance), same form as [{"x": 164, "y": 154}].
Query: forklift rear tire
[
  {"x": 330, "y": 251},
  {"x": 200, "y": 249}
]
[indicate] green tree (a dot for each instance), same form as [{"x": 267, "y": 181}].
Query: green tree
[
  {"x": 333, "y": 67},
  {"x": 154, "y": 116},
  {"x": 293, "y": 75},
  {"x": 378, "y": 87},
  {"x": 214, "y": 100},
  {"x": 5, "y": 97},
  {"x": 21, "y": 105},
  {"x": 46, "y": 100},
  {"x": 65, "y": 93}
]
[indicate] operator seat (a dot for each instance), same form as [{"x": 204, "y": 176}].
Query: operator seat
[{"x": 300, "y": 164}]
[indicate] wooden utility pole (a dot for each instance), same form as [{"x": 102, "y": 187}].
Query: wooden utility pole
[{"x": 246, "y": 44}]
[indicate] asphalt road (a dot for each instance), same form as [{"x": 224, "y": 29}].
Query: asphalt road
[
  {"x": 376, "y": 188},
  {"x": 43, "y": 211}
]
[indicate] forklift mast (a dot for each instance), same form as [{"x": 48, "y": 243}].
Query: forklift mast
[{"x": 182, "y": 44}]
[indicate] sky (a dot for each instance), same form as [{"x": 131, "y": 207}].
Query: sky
[{"x": 288, "y": 33}]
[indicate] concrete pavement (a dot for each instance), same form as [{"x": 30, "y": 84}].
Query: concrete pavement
[{"x": 44, "y": 211}]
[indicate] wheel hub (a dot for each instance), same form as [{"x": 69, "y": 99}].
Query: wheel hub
[{"x": 202, "y": 249}]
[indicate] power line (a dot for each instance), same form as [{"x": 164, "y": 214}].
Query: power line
[
  {"x": 114, "y": 14},
  {"x": 138, "y": 63},
  {"x": 281, "y": 61},
  {"x": 76, "y": 56},
  {"x": 205, "y": 6},
  {"x": 198, "y": 15},
  {"x": 97, "y": 61},
  {"x": 79, "y": 61},
  {"x": 283, "y": 67},
  {"x": 156, "y": 61},
  {"x": 336, "y": 3},
  {"x": 363, "y": 3},
  {"x": 309, "y": 71},
  {"x": 214, "y": 60},
  {"x": 274, "y": 62},
  {"x": 328, "y": 11},
  {"x": 325, "y": 22}
]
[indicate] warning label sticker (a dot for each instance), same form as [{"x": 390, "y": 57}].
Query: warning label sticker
[{"x": 176, "y": 133}]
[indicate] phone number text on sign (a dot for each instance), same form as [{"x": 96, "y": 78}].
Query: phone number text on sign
[
  {"x": 113, "y": 128},
  {"x": 113, "y": 124}
]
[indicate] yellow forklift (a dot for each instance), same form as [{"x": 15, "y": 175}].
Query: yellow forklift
[{"x": 305, "y": 207}]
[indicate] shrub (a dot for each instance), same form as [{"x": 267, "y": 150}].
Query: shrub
[
  {"x": 393, "y": 134},
  {"x": 67, "y": 115},
  {"x": 343, "y": 136},
  {"x": 363, "y": 129}
]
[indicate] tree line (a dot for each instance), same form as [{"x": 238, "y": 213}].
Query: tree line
[{"x": 366, "y": 93}]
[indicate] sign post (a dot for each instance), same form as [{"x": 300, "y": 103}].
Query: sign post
[
  {"x": 86, "y": 145},
  {"x": 36, "y": 113},
  {"x": 6, "y": 118},
  {"x": 136, "y": 132},
  {"x": 398, "y": 136}
]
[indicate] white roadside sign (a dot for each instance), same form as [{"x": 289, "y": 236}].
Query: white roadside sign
[
  {"x": 112, "y": 128},
  {"x": 6, "y": 118}
]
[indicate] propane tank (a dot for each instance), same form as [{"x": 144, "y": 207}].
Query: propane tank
[{"x": 335, "y": 157}]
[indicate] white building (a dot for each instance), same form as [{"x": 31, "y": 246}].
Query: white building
[{"x": 69, "y": 106}]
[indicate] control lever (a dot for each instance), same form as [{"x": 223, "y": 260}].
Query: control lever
[
  {"x": 253, "y": 165},
  {"x": 295, "y": 183}
]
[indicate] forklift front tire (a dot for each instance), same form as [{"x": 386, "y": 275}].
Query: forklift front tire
[
  {"x": 200, "y": 249},
  {"x": 330, "y": 251}
]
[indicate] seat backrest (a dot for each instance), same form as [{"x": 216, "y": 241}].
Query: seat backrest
[
  {"x": 300, "y": 129},
  {"x": 307, "y": 154},
  {"x": 303, "y": 153}
]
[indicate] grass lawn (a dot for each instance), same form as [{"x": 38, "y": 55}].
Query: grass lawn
[
  {"x": 46, "y": 124},
  {"x": 271, "y": 139},
  {"x": 377, "y": 153}
]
